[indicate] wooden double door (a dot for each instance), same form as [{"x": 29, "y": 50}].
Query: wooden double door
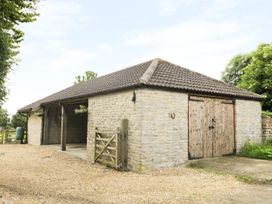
[{"x": 211, "y": 127}]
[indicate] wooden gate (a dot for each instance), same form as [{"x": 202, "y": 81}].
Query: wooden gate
[
  {"x": 111, "y": 148},
  {"x": 211, "y": 127}
]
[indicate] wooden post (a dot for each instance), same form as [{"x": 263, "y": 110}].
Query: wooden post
[
  {"x": 26, "y": 131},
  {"x": 63, "y": 128},
  {"x": 95, "y": 135},
  {"x": 2, "y": 133},
  {"x": 124, "y": 143},
  {"x": 118, "y": 159},
  {"x": 45, "y": 127},
  {"x": 5, "y": 137}
]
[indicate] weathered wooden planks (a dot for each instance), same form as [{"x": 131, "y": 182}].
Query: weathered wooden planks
[
  {"x": 196, "y": 127},
  {"x": 111, "y": 148},
  {"x": 211, "y": 127}
]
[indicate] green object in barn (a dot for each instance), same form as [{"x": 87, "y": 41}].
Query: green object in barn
[{"x": 20, "y": 133}]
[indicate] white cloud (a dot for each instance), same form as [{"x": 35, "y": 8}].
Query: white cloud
[
  {"x": 167, "y": 7},
  {"x": 70, "y": 60},
  {"x": 58, "y": 18},
  {"x": 198, "y": 34},
  {"x": 200, "y": 45},
  {"x": 47, "y": 52},
  {"x": 205, "y": 7}
]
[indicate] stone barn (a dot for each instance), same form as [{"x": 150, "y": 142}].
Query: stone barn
[{"x": 149, "y": 116}]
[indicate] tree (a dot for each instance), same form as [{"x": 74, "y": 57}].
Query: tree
[
  {"x": 253, "y": 71},
  {"x": 88, "y": 76},
  {"x": 12, "y": 13},
  {"x": 234, "y": 69},
  {"x": 18, "y": 120},
  {"x": 257, "y": 75},
  {"x": 3, "y": 118}
]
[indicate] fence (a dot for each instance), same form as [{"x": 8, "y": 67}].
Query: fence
[
  {"x": 111, "y": 148},
  {"x": 8, "y": 136}
]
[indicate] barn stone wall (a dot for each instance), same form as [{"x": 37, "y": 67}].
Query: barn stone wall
[
  {"x": 34, "y": 129},
  {"x": 158, "y": 126},
  {"x": 106, "y": 113},
  {"x": 267, "y": 127},
  {"x": 248, "y": 122},
  {"x": 164, "y": 122}
]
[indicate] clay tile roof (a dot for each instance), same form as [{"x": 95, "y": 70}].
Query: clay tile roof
[{"x": 154, "y": 73}]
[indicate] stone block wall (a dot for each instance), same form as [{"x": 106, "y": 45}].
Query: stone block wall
[
  {"x": 164, "y": 122},
  {"x": 157, "y": 129},
  {"x": 248, "y": 122},
  {"x": 34, "y": 129},
  {"x": 106, "y": 112},
  {"x": 158, "y": 125},
  {"x": 267, "y": 127}
]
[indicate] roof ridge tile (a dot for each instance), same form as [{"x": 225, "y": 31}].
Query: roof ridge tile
[{"x": 150, "y": 70}]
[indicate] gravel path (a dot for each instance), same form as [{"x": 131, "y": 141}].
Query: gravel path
[{"x": 38, "y": 175}]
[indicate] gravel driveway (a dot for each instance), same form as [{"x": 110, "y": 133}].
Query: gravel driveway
[{"x": 39, "y": 175}]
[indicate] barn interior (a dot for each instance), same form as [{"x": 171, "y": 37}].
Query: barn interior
[{"x": 65, "y": 125}]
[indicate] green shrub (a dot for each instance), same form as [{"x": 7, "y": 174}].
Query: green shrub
[
  {"x": 268, "y": 142},
  {"x": 267, "y": 113},
  {"x": 258, "y": 151}
]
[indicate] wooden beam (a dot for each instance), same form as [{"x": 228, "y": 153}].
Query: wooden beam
[
  {"x": 45, "y": 127},
  {"x": 63, "y": 128},
  {"x": 26, "y": 139}
]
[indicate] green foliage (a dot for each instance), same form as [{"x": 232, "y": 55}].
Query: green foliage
[
  {"x": 257, "y": 75},
  {"x": 258, "y": 151},
  {"x": 88, "y": 76},
  {"x": 18, "y": 120},
  {"x": 253, "y": 72},
  {"x": 3, "y": 118},
  {"x": 269, "y": 142},
  {"x": 267, "y": 113},
  {"x": 234, "y": 69},
  {"x": 12, "y": 13}
]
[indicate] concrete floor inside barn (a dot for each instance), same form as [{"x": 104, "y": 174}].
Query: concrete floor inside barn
[{"x": 76, "y": 150}]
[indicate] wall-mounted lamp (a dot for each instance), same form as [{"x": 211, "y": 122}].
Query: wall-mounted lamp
[
  {"x": 134, "y": 97},
  {"x": 172, "y": 115}
]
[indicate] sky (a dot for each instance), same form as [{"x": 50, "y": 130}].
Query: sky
[{"x": 72, "y": 36}]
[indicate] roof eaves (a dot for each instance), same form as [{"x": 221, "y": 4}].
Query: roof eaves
[
  {"x": 135, "y": 85},
  {"x": 205, "y": 92},
  {"x": 24, "y": 110}
]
